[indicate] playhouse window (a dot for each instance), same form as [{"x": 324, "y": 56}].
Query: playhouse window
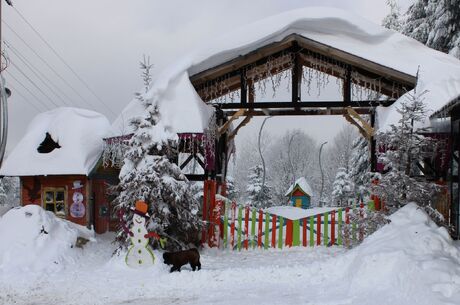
[{"x": 55, "y": 201}]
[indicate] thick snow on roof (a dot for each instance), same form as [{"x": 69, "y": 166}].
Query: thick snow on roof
[
  {"x": 303, "y": 184},
  {"x": 181, "y": 109},
  {"x": 439, "y": 72},
  {"x": 79, "y": 132}
]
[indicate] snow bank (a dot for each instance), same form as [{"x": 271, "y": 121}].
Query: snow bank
[
  {"x": 25, "y": 247},
  {"x": 411, "y": 261},
  {"x": 79, "y": 132}
]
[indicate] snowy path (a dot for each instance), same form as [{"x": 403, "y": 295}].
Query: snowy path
[
  {"x": 410, "y": 261},
  {"x": 274, "y": 277}
]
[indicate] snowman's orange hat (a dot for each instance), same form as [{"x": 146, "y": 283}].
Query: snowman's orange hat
[{"x": 141, "y": 208}]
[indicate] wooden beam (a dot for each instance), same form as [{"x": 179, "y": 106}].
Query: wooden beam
[
  {"x": 303, "y": 112},
  {"x": 242, "y": 124},
  {"x": 243, "y": 88},
  {"x": 322, "y": 104},
  {"x": 364, "y": 127},
  {"x": 296, "y": 79},
  {"x": 347, "y": 86},
  {"x": 235, "y": 116}
]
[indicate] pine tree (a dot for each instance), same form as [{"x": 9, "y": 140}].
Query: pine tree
[
  {"x": 9, "y": 191},
  {"x": 342, "y": 187},
  {"x": 360, "y": 171},
  {"x": 232, "y": 190},
  {"x": 393, "y": 20},
  {"x": 259, "y": 195},
  {"x": 435, "y": 23},
  {"x": 148, "y": 174},
  {"x": 405, "y": 148}
]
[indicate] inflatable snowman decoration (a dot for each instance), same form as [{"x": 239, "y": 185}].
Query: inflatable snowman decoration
[{"x": 140, "y": 254}]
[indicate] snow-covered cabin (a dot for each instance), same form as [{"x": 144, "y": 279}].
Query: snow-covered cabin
[
  {"x": 56, "y": 161},
  {"x": 299, "y": 194}
]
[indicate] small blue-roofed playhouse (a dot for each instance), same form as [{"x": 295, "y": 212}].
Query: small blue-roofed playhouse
[{"x": 299, "y": 194}]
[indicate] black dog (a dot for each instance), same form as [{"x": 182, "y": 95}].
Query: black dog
[{"x": 180, "y": 258}]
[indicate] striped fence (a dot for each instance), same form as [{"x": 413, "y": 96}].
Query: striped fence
[{"x": 239, "y": 227}]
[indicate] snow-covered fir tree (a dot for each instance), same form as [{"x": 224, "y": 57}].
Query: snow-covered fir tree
[
  {"x": 9, "y": 191},
  {"x": 393, "y": 20},
  {"x": 342, "y": 188},
  {"x": 360, "y": 171},
  {"x": 405, "y": 148},
  {"x": 259, "y": 195},
  {"x": 148, "y": 174},
  {"x": 232, "y": 190},
  {"x": 435, "y": 23}
]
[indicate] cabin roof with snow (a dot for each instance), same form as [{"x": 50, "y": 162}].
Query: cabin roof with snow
[
  {"x": 301, "y": 184},
  {"x": 63, "y": 141},
  {"x": 344, "y": 44}
]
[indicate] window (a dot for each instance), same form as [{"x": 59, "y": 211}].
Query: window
[{"x": 55, "y": 201}]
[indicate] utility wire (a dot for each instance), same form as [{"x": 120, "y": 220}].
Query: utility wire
[
  {"x": 47, "y": 64},
  {"x": 15, "y": 91},
  {"x": 63, "y": 61},
  {"x": 42, "y": 75},
  {"x": 46, "y": 83},
  {"x": 27, "y": 89},
  {"x": 34, "y": 84}
]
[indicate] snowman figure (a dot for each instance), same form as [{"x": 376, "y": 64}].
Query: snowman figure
[{"x": 140, "y": 254}]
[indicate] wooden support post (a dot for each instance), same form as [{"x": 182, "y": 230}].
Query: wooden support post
[
  {"x": 246, "y": 227},
  {"x": 312, "y": 231},
  {"x": 267, "y": 231},
  {"x": 326, "y": 229},
  {"x": 253, "y": 228},
  {"x": 332, "y": 228},
  {"x": 212, "y": 206},
  {"x": 205, "y": 211},
  {"x": 304, "y": 232},
  {"x": 240, "y": 226},
  {"x": 347, "y": 86},
  {"x": 232, "y": 226},
  {"x": 347, "y": 224},
  {"x": 259, "y": 231},
  {"x": 243, "y": 88},
  {"x": 273, "y": 231},
  {"x": 339, "y": 228},
  {"x": 288, "y": 241},
  {"x": 280, "y": 232},
  {"x": 296, "y": 233},
  {"x": 373, "y": 146},
  {"x": 361, "y": 217},
  {"x": 318, "y": 230},
  {"x": 218, "y": 231},
  {"x": 225, "y": 238},
  {"x": 296, "y": 79}
]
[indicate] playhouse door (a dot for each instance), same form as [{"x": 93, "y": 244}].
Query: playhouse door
[{"x": 298, "y": 203}]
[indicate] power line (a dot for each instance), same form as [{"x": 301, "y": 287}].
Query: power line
[
  {"x": 34, "y": 84},
  {"x": 48, "y": 65},
  {"x": 27, "y": 89},
  {"x": 15, "y": 91},
  {"x": 32, "y": 69},
  {"x": 63, "y": 61},
  {"x": 29, "y": 63}
]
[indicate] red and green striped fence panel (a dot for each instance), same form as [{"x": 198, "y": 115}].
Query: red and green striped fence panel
[{"x": 243, "y": 227}]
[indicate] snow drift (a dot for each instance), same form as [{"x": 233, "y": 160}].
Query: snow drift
[{"x": 35, "y": 240}]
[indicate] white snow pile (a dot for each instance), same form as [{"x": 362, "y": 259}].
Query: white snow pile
[
  {"x": 409, "y": 261},
  {"x": 294, "y": 213},
  {"x": 80, "y": 134},
  {"x": 33, "y": 240}
]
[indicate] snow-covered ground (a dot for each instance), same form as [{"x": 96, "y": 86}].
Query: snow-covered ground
[{"x": 409, "y": 261}]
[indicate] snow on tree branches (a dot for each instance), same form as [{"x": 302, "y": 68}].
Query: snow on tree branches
[
  {"x": 149, "y": 175},
  {"x": 259, "y": 195},
  {"x": 342, "y": 188},
  {"x": 405, "y": 149}
]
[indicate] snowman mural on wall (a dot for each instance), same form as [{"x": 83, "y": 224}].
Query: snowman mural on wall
[
  {"x": 77, "y": 208},
  {"x": 140, "y": 254}
]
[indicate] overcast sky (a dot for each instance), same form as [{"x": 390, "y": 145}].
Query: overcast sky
[{"x": 103, "y": 41}]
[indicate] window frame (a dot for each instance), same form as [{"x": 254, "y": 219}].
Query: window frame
[{"x": 55, "y": 191}]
